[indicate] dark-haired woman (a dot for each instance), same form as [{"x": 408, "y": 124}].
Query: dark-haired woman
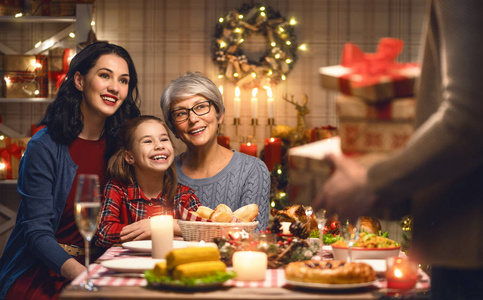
[{"x": 45, "y": 250}]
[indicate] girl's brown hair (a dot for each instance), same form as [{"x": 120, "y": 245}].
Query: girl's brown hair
[{"x": 119, "y": 169}]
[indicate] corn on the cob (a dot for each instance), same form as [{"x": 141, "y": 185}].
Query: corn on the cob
[
  {"x": 160, "y": 269},
  {"x": 198, "y": 269},
  {"x": 191, "y": 254}
]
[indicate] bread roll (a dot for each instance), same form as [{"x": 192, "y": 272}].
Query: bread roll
[
  {"x": 222, "y": 213},
  {"x": 204, "y": 212},
  {"x": 246, "y": 213}
]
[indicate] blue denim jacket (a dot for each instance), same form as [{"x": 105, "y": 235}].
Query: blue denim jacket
[{"x": 46, "y": 175}]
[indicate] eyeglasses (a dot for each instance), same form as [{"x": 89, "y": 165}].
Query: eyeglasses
[{"x": 200, "y": 109}]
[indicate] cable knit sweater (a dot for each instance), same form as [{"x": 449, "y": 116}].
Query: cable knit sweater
[{"x": 243, "y": 181}]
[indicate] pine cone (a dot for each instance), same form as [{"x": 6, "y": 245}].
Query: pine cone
[
  {"x": 299, "y": 230},
  {"x": 276, "y": 226}
]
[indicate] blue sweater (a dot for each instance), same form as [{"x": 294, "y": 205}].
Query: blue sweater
[
  {"x": 46, "y": 175},
  {"x": 243, "y": 181}
]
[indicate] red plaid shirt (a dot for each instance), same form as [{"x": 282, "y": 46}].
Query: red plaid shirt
[{"x": 126, "y": 204}]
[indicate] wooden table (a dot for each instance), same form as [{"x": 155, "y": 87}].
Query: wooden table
[
  {"x": 274, "y": 287},
  {"x": 226, "y": 293}
]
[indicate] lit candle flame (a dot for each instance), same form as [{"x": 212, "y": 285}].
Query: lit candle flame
[
  {"x": 254, "y": 92},
  {"x": 237, "y": 92},
  {"x": 269, "y": 92},
  {"x": 398, "y": 273}
]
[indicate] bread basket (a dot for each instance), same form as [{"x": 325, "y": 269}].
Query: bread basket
[{"x": 206, "y": 231}]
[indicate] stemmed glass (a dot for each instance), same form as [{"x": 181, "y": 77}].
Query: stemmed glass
[
  {"x": 350, "y": 235},
  {"x": 87, "y": 207},
  {"x": 321, "y": 220}
]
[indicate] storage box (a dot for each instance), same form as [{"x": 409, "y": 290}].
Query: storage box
[
  {"x": 11, "y": 151},
  {"x": 382, "y": 127},
  {"x": 397, "y": 83},
  {"x": 24, "y": 63},
  {"x": 373, "y": 76},
  {"x": 374, "y": 135},
  {"x": 308, "y": 170},
  {"x": 23, "y": 85}
]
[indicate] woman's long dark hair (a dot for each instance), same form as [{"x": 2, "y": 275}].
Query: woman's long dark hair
[{"x": 64, "y": 119}]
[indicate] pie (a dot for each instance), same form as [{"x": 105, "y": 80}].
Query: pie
[{"x": 329, "y": 271}]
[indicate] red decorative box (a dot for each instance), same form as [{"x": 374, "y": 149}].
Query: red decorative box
[
  {"x": 373, "y": 76},
  {"x": 11, "y": 151}
]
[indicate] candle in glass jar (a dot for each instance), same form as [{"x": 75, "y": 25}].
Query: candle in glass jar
[
  {"x": 250, "y": 265},
  {"x": 273, "y": 152},
  {"x": 270, "y": 103},
  {"x": 162, "y": 235},
  {"x": 202, "y": 244},
  {"x": 237, "y": 102},
  {"x": 401, "y": 273},
  {"x": 249, "y": 148},
  {"x": 254, "y": 103}
]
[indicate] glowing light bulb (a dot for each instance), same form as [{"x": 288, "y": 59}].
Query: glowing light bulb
[
  {"x": 222, "y": 44},
  {"x": 277, "y": 55},
  {"x": 293, "y": 22},
  {"x": 72, "y": 35},
  {"x": 288, "y": 60},
  {"x": 254, "y": 74},
  {"x": 262, "y": 8},
  {"x": 93, "y": 23},
  {"x": 303, "y": 47},
  {"x": 220, "y": 20},
  {"x": 288, "y": 43},
  {"x": 235, "y": 74},
  {"x": 273, "y": 44},
  {"x": 284, "y": 77},
  {"x": 18, "y": 15},
  {"x": 262, "y": 14},
  {"x": 240, "y": 17}
]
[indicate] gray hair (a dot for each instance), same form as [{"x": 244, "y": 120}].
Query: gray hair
[{"x": 186, "y": 86}]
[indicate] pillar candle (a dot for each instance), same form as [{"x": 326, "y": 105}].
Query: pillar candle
[
  {"x": 249, "y": 148},
  {"x": 237, "y": 102},
  {"x": 254, "y": 103},
  {"x": 286, "y": 227},
  {"x": 162, "y": 235},
  {"x": 273, "y": 152},
  {"x": 270, "y": 103},
  {"x": 250, "y": 265}
]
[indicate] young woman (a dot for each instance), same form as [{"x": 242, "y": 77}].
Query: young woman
[
  {"x": 193, "y": 109},
  {"x": 45, "y": 250},
  {"x": 143, "y": 184}
]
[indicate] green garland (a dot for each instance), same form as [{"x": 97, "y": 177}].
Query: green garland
[{"x": 281, "y": 46}]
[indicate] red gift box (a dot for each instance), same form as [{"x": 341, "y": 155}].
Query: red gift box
[
  {"x": 373, "y": 76},
  {"x": 11, "y": 151}
]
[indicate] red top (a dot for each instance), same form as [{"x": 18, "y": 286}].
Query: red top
[{"x": 89, "y": 157}]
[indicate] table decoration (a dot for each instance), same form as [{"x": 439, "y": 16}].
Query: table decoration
[
  {"x": 272, "y": 152},
  {"x": 249, "y": 149},
  {"x": 162, "y": 235},
  {"x": 250, "y": 265},
  {"x": 236, "y": 27},
  {"x": 401, "y": 273}
]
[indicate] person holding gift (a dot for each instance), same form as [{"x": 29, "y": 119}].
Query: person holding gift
[
  {"x": 441, "y": 167},
  {"x": 143, "y": 183},
  {"x": 193, "y": 109},
  {"x": 45, "y": 250}
]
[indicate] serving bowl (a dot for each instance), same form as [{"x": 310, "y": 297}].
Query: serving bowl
[{"x": 340, "y": 253}]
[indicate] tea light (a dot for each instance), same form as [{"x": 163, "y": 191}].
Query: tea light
[
  {"x": 162, "y": 235},
  {"x": 250, "y": 265},
  {"x": 285, "y": 227},
  {"x": 202, "y": 244},
  {"x": 401, "y": 273}
]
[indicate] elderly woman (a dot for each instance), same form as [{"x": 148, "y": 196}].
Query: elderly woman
[{"x": 193, "y": 109}]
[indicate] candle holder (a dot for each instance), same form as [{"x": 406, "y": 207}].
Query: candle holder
[
  {"x": 254, "y": 124},
  {"x": 236, "y": 122},
  {"x": 271, "y": 123},
  {"x": 401, "y": 273}
]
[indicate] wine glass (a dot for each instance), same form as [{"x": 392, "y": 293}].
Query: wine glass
[
  {"x": 321, "y": 220},
  {"x": 351, "y": 235},
  {"x": 87, "y": 207}
]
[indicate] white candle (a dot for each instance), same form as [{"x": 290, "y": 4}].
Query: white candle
[
  {"x": 270, "y": 103},
  {"x": 286, "y": 227},
  {"x": 237, "y": 102},
  {"x": 162, "y": 235},
  {"x": 254, "y": 103},
  {"x": 221, "y": 91},
  {"x": 250, "y": 265},
  {"x": 202, "y": 244}
]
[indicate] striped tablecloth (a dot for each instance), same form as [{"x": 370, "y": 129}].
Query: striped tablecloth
[{"x": 102, "y": 276}]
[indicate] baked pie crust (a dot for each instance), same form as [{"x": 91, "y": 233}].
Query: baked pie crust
[{"x": 329, "y": 271}]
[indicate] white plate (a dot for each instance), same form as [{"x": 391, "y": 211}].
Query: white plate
[
  {"x": 136, "y": 265},
  {"x": 378, "y": 265},
  {"x": 147, "y": 245},
  {"x": 329, "y": 286}
]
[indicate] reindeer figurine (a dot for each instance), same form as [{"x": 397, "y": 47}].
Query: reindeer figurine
[{"x": 295, "y": 136}]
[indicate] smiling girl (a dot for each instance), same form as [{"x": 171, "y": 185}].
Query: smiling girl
[
  {"x": 143, "y": 184},
  {"x": 45, "y": 250}
]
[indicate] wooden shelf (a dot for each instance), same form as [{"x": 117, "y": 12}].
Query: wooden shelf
[
  {"x": 26, "y": 100},
  {"x": 38, "y": 19}
]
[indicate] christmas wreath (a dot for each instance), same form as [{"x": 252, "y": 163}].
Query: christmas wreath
[{"x": 280, "y": 53}]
